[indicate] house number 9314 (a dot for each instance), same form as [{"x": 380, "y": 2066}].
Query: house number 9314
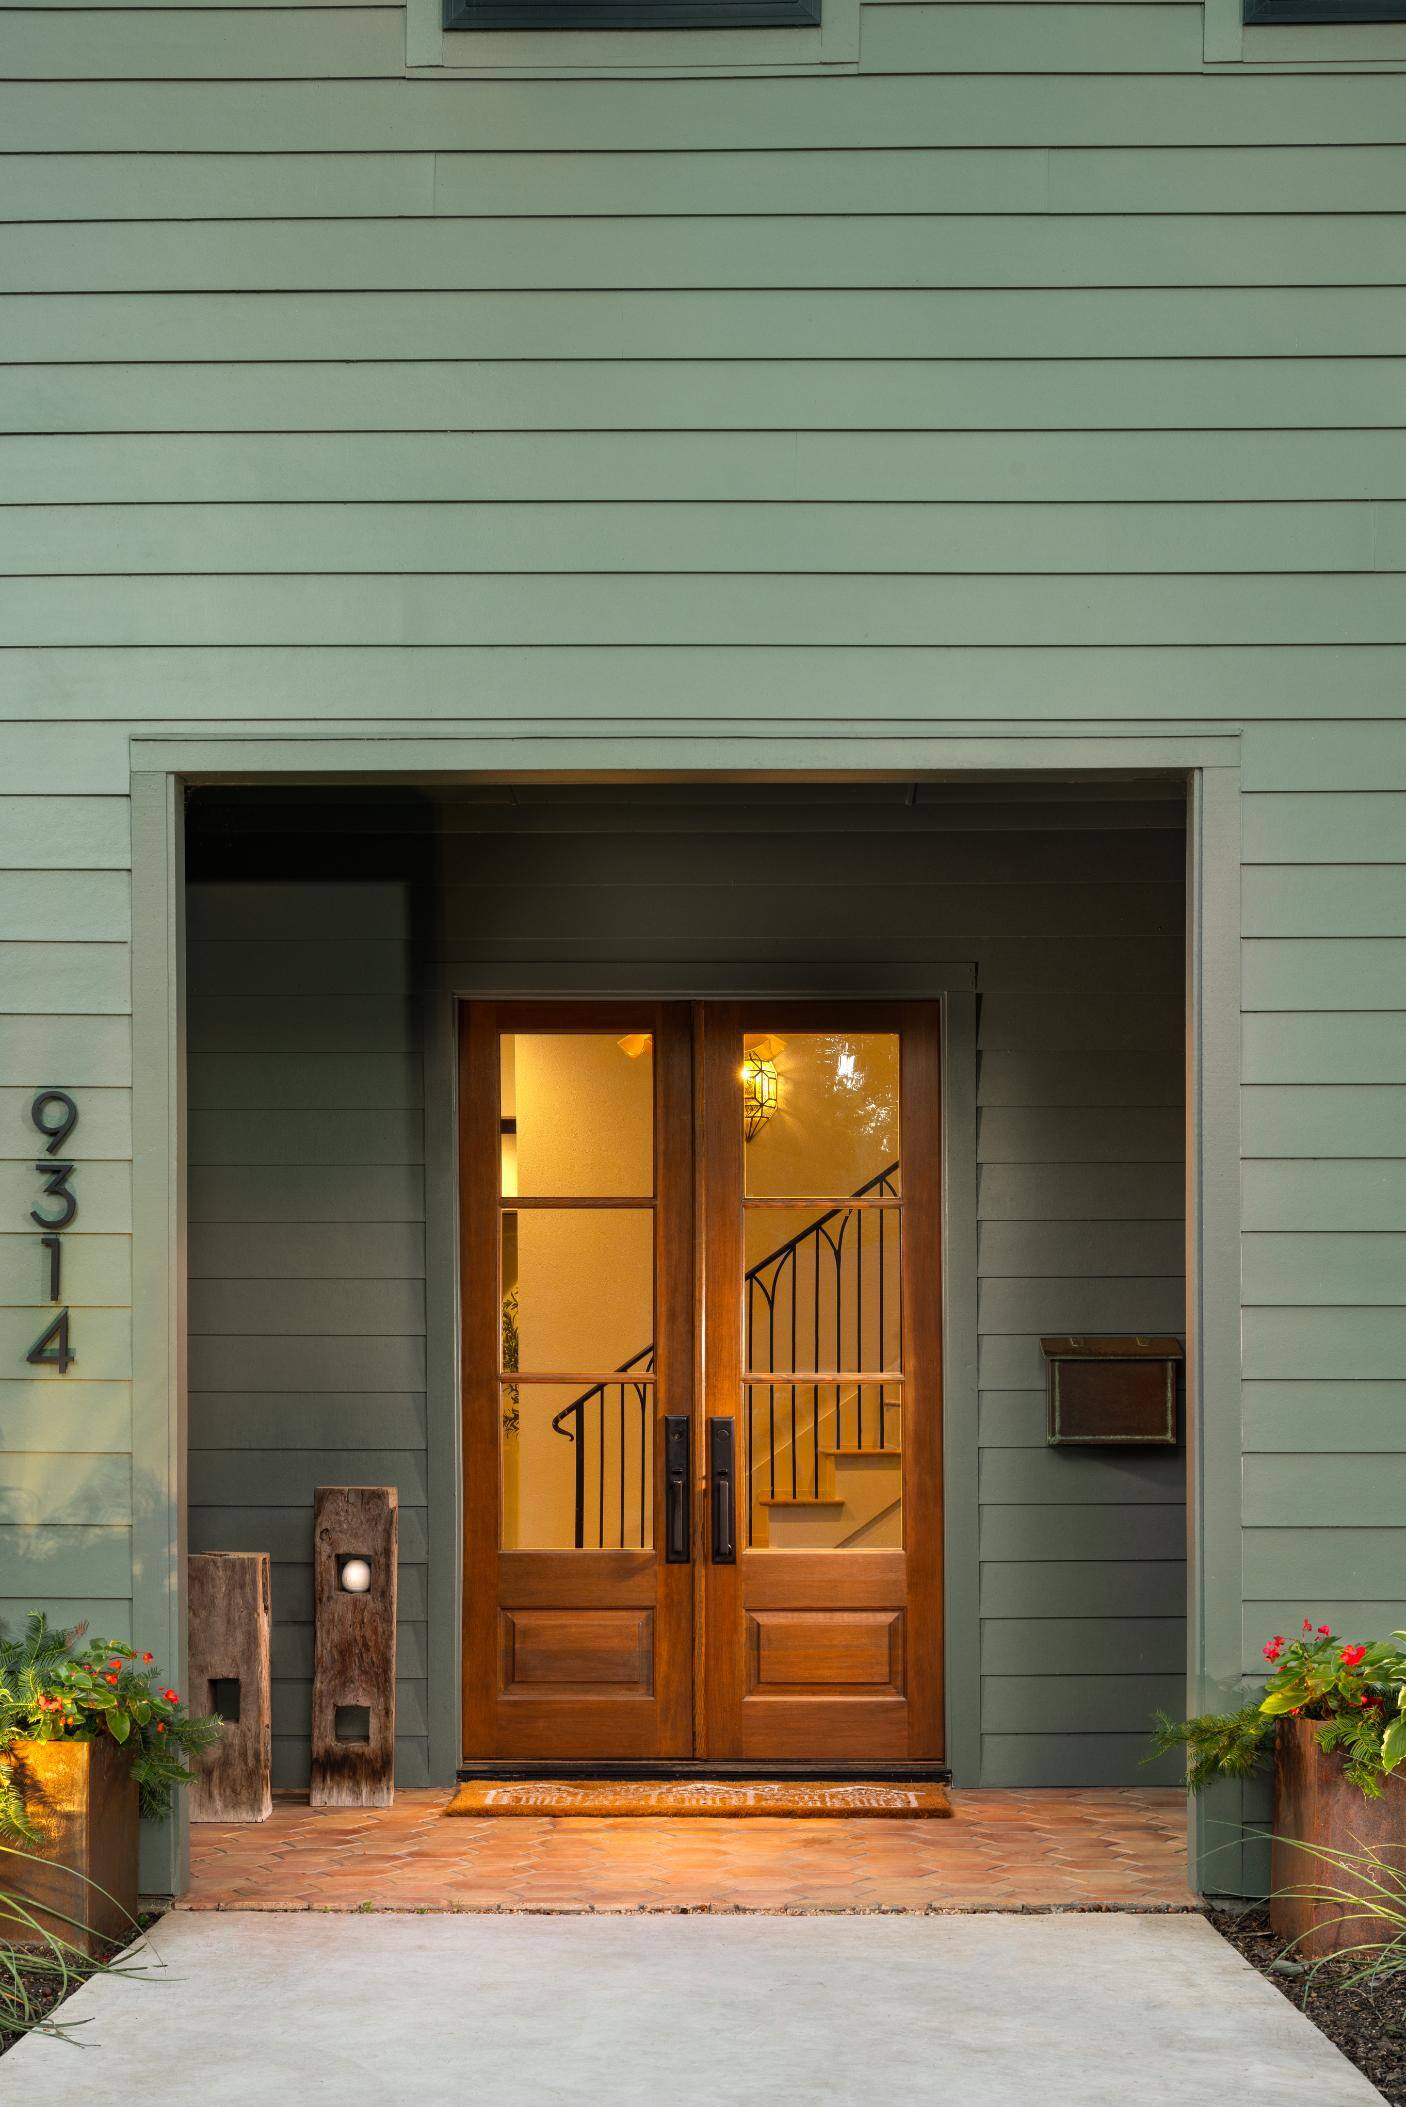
[{"x": 55, "y": 1115}]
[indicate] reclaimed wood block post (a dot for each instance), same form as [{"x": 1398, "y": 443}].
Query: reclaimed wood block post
[
  {"x": 353, "y": 1687},
  {"x": 230, "y": 1627}
]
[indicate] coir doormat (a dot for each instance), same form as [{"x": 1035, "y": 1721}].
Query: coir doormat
[{"x": 792, "y": 1799}]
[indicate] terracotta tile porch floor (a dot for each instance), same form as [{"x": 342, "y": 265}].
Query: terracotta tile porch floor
[{"x": 1002, "y": 1850}]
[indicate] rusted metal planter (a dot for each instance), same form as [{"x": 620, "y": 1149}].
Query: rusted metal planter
[
  {"x": 81, "y": 1797},
  {"x": 1316, "y": 1806}
]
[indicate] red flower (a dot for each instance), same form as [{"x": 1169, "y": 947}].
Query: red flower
[
  {"x": 1325, "y": 1631},
  {"x": 148, "y": 1658},
  {"x": 1351, "y": 1655},
  {"x": 1274, "y": 1649},
  {"x": 160, "y": 1726},
  {"x": 170, "y": 1697},
  {"x": 115, "y": 1662},
  {"x": 111, "y": 1679}
]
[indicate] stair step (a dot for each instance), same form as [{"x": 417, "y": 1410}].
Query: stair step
[
  {"x": 886, "y": 1455},
  {"x": 798, "y": 1499}
]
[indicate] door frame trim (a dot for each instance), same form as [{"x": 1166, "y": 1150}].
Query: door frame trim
[{"x": 952, "y": 985}]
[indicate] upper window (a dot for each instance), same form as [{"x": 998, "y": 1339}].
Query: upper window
[
  {"x": 631, "y": 14},
  {"x": 1261, "y": 11}
]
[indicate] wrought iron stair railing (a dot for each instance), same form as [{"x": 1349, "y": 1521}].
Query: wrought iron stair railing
[{"x": 826, "y": 1287}]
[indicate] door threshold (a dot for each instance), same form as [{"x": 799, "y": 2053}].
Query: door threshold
[{"x": 682, "y": 1767}]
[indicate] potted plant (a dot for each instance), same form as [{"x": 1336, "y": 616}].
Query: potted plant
[
  {"x": 88, "y": 1744},
  {"x": 1333, "y": 1716}
]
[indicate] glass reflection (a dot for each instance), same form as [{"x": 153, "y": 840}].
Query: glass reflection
[{"x": 820, "y": 1112}]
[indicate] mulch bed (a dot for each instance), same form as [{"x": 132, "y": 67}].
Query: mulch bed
[
  {"x": 47, "y": 1992},
  {"x": 1367, "y": 2023}
]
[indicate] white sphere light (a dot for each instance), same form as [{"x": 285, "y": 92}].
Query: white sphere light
[{"x": 356, "y": 1576}]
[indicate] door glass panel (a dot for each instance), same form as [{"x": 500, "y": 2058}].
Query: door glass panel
[
  {"x": 824, "y": 1466},
  {"x": 578, "y": 1115},
  {"x": 822, "y": 1290},
  {"x": 578, "y": 1289},
  {"x": 577, "y": 1467},
  {"x": 819, "y": 1112}
]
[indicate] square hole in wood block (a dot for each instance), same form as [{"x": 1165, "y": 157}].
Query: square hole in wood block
[
  {"x": 352, "y": 1723},
  {"x": 224, "y": 1698}
]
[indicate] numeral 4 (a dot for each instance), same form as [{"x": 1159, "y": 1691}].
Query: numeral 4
[{"x": 51, "y": 1349}]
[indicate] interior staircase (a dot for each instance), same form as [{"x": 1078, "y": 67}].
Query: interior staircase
[
  {"x": 824, "y": 1463},
  {"x": 859, "y": 1505},
  {"x": 845, "y": 1492}
]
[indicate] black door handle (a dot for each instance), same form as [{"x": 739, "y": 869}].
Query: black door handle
[
  {"x": 676, "y": 1546},
  {"x": 720, "y": 1482}
]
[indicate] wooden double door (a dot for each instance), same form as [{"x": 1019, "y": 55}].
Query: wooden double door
[{"x": 701, "y": 1383}]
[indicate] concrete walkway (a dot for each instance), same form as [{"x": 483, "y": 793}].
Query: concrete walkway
[{"x": 690, "y": 2011}]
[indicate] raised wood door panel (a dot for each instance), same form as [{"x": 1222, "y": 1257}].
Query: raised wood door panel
[
  {"x": 823, "y": 1640},
  {"x": 579, "y": 1648}
]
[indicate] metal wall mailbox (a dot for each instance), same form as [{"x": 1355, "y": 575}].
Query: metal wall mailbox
[{"x": 1112, "y": 1391}]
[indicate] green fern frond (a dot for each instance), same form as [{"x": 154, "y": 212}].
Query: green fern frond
[{"x": 1230, "y": 1744}]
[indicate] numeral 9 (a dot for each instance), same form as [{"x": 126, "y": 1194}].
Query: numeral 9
[{"x": 56, "y": 1134}]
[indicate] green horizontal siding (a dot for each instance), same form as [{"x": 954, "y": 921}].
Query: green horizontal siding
[
  {"x": 1074, "y": 1759},
  {"x": 725, "y": 609},
  {"x": 1085, "y": 1646},
  {"x": 1302, "y": 1417},
  {"x": 1338, "y": 757},
  {"x": 1357, "y": 1048},
  {"x": 1369, "y": 1194},
  {"x": 53, "y": 907},
  {"x": 95, "y": 832},
  {"x": 1334, "y": 826},
  {"x": 97, "y": 1270},
  {"x": 1000, "y": 466},
  {"x": 1324, "y": 1342},
  {"x": 635, "y": 395},
  {"x": 818, "y": 535},
  {"x": 76, "y": 1416},
  {"x": 730, "y": 322},
  {"x": 1332, "y": 1269},
  {"x": 286, "y": 1534},
  {"x": 1104, "y": 685},
  {"x": 1036, "y": 1588},
  {"x": 273, "y": 185},
  {"x": 1325, "y": 1119},
  {"x": 884, "y": 250},
  {"x": 943, "y": 180},
  {"x": 1325, "y": 900},
  {"x": 667, "y": 116},
  {"x": 105, "y": 1117},
  {"x": 48, "y": 1487}
]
